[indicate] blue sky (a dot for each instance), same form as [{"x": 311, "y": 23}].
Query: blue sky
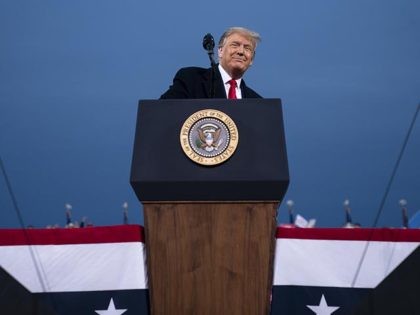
[{"x": 72, "y": 72}]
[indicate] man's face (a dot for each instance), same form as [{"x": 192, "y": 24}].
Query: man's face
[{"x": 236, "y": 55}]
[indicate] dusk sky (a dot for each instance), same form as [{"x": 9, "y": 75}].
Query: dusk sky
[{"x": 72, "y": 73}]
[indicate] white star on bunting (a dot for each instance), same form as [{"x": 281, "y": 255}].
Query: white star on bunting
[
  {"x": 111, "y": 310},
  {"x": 323, "y": 308}
]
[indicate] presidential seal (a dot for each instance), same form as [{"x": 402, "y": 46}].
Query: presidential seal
[{"x": 209, "y": 137}]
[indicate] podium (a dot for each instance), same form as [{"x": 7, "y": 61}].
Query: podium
[{"x": 210, "y": 229}]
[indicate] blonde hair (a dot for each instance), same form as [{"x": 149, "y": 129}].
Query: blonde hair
[{"x": 254, "y": 37}]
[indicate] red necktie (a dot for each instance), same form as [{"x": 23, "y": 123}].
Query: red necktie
[{"x": 232, "y": 90}]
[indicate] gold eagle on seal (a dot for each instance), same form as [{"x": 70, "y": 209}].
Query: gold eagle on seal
[{"x": 209, "y": 137}]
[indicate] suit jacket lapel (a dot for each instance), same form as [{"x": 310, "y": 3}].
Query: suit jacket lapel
[
  {"x": 243, "y": 89},
  {"x": 219, "y": 88}
]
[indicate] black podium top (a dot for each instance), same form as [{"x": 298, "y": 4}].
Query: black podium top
[{"x": 257, "y": 171}]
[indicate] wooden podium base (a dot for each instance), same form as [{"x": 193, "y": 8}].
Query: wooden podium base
[{"x": 206, "y": 258}]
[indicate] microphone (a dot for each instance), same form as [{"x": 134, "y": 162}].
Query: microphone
[
  {"x": 208, "y": 45},
  {"x": 208, "y": 42}
]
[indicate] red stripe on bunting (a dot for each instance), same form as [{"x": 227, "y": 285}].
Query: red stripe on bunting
[
  {"x": 355, "y": 234},
  {"x": 60, "y": 236}
]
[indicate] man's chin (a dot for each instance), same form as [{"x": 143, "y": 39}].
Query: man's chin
[
  {"x": 238, "y": 72},
  {"x": 240, "y": 67}
]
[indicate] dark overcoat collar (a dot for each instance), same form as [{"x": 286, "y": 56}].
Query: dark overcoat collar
[{"x": 219, "y": 86}]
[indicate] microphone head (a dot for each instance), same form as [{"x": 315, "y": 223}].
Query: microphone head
[{"x": 208, "y": 42}]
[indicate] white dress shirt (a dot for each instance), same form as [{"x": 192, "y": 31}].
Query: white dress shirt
[{"x": 226, "y": 78}]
